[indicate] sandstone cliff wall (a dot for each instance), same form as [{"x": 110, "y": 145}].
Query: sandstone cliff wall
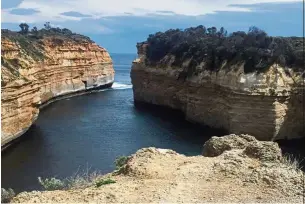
[
  {"x": 267, "y": 105},
  {"x": 46, "y": 70}
]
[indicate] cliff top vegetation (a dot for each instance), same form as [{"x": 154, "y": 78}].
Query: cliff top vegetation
[
  {"x": 216, "y": 48},
  {"x": 31, "y": 44},
  {"x": 47, "y": 31}
]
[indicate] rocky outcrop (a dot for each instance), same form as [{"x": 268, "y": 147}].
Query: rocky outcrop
[
  {"x": 224, "y": 174},
  {"x": 37, "y": 71},
  {"x": 265, "y": 151},
  {"x": 268, "y": 105}
]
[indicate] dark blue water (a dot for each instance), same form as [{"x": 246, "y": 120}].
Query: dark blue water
[{"x": 92, "y": 130}]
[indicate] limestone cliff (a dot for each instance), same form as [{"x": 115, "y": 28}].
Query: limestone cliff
[
  {"x": 266, "y": 104},
  {"x": 38, "y": 69},
  {"x": 236, "y": 169}
]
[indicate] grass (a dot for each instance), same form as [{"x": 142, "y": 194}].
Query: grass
[
  {"x": 9, "y": 64},
  {"x": 104, "y": 182},
  {"x": 51, "y": 184},
  {"x": 7, "y": 195},
  {"x": 76, "y": 182},
  {"x": 120, "y": 162},
  {"x": 30, "y": 46},
  {"x": 80, "y": 179},
  {"x": 292, "y": 162}
]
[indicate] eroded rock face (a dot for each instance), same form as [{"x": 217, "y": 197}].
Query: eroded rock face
[
  {"x": 266, "y": 105},
  {"x": 161, "y": 175},
  {"x": 217, "y": 145},
  {"x": 35, "y": 72},
  {"x": 262, "y": 150}
]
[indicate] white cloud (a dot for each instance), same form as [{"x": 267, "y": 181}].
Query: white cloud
[{"x": 50, "y": 10}]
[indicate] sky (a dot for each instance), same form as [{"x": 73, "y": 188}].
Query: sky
[{"x": 118, "y": 25}]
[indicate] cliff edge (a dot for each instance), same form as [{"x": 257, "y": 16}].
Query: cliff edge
[
  {"x": 233, "y": 169},
  {"x": 245, "y": 83},
  {"x": 41, "y": 66}
]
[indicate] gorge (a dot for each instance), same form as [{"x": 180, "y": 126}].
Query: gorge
[{"x": 94, "y": 129}]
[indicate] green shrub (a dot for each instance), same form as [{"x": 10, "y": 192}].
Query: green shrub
[
  {"x": 217, "y": 48},
  {"x": 272, "y": 92},
  {"x": 52, "y": 183},
  {"x": 104, "y": 182},
  {"x": 7, "y": 195},
  {"x": 120, "y": 161},
  {"x": 82, "y": 179}
]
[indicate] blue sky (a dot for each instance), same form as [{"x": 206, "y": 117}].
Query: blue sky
[{"x": 118, "y": 25}]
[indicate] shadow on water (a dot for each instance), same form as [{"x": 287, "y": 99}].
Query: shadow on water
[
  {"x": 27, "y": 140},
  {"x": 25, "y": 158},
  {"x": 189, "y": 132}
]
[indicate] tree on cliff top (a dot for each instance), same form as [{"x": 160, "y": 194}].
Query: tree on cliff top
[
  {"x": 24, "y": 28},
  {"x": 215, "y": 48},
  {"x": 47, "y": 25}
]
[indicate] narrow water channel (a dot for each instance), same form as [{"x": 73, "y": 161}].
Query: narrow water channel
[{"x": 92, "y": 130}]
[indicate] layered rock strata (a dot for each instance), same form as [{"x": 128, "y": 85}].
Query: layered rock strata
[
  {"x": 268, "y": 105},
  {"x": 35, "y": 72},
  {"x": 234, "y": 168}
]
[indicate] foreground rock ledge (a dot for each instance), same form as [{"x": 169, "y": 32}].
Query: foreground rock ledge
[{"x": 236, "y": 169}]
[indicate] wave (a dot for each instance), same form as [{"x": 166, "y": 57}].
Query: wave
[{"x": 116, "y": 85}]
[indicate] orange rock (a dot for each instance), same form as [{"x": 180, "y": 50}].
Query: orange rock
[{"x": 34, "y": 76}]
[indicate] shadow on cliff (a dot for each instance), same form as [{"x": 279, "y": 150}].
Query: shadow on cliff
[
  {"x": 199, "y": 133},
  {"x": 294, "y": 121},
  {"x": 293, "y": 128}
]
